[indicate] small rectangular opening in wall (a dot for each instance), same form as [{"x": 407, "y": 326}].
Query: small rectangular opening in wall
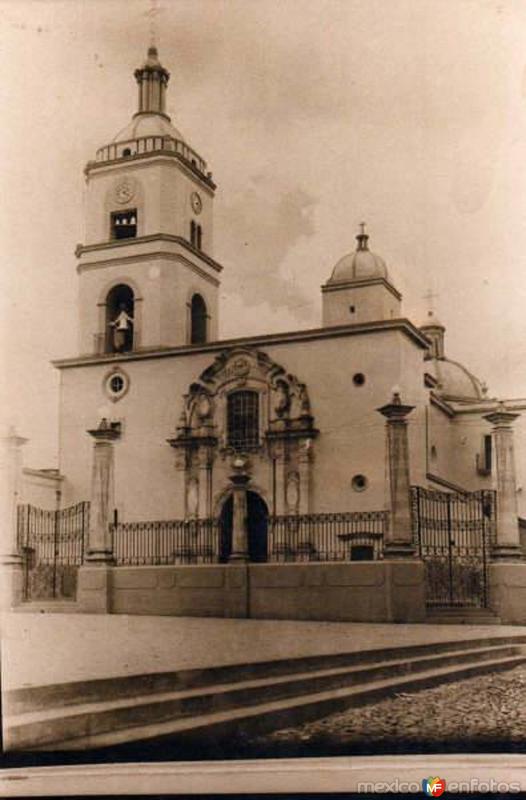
[
  {"x": 124, "y": 224},
  {"x": 485, "y": 457}
]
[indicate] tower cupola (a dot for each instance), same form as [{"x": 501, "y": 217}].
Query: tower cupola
[
  {"x": 434, "y": 330},
  {"x": 152, "y": 79},
  {"x": 359, "y": 289}
]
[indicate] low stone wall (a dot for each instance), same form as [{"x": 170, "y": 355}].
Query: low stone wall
[
  {"x": 377, "y": 591},
  {"x": 507, "y": 591}
]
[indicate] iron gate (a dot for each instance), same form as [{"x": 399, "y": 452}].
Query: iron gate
[
  {"x": 52, "y": 544},
  {"x": 454, "y": 533}
]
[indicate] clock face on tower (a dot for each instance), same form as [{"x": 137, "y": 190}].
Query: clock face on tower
[
  {"x": 197, "y": 203},
  {"x": 124, "y": 191}
]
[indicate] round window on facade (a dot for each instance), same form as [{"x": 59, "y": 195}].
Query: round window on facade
[
  {"x": 358, "y": 379},
  {"x": 359, "y": 483},
  {"x": 116, "y": 385}
]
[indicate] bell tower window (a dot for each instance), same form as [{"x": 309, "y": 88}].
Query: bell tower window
[
  {"x": 124, "y": 224},
  {"x": 198, "y": 320},
  {"x": 243, "y": 420},
  {"x": 120, "y": 303},
  {"x": 196, "y": 234}
]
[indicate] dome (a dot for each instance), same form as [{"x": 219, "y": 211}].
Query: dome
[
  {"x": 431, "y": 321},
  {"x": 359, "y": 265},
  {"x": 455, "y": 382},
  {"x": 148, "y": 125}
]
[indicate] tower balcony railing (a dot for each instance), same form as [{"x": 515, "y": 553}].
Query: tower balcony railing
[{"x": 151, "y": 144}]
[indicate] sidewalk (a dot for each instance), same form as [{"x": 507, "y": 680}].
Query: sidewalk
[{"x": 40, "y": 649}]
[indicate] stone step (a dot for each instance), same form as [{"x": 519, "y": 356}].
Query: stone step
[
  {"x": 36, "y": 698},
  {"x": 462, "y": 616},
  {"x": 265, "y": 716},
  {"x": 46, "y": 727}
]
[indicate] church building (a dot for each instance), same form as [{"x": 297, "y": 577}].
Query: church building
[{"x": 304, "y": 474}]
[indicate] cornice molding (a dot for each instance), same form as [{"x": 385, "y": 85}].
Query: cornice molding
[
  {"x": 441, "y": 404},
  {"x": 177, "y": 257},
  {"x": 92, "y": 167},
  {"x": 117, "y": 244},
  {"x": 447, "y": 484},
  {"x": 358, "y": 284},
  {"x": 402, "y": 325}
]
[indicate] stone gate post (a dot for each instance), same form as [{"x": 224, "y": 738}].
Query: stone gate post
[
  {"x": 507, "y": 572},
  {"x": 507, "y": 544},
  {"x": 11, "y": 561},
  {"x": 240, "y": 480},
  {"x": 403, "y": 584},
  {"x": 94, "y": 576},
  {"x": 399, "y": 538}
]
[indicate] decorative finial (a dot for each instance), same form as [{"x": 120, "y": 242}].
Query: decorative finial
[
  {"x": 362, "y": 237},
  {"x": 152, "y": 14}
]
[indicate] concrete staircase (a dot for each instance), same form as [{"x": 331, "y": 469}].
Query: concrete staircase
[{"x": 251, "y": 698}]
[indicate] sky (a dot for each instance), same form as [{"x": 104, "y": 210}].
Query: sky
[{"x": 313, "y": 115}]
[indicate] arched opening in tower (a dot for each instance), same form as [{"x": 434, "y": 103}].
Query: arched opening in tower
[
  {"x": 198, "y": 322},
  {"x": 119, "y": 319}
]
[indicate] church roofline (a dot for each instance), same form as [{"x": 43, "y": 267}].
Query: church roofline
[
  {"x": 455, "y": 487},
  {"x": 362, "y": 282},
  {"x": 81, "y": 249},
  {"x": 441, "y": 404},
  {"x": 403, "y": 325},
  {"x": 486, "y": 406}
]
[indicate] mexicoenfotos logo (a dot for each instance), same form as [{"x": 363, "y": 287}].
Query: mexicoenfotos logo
[{"x": 434, "y": 787}]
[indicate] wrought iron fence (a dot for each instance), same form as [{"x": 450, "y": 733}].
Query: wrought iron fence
[
  {"x": 349, "y": 536},
  {"x": 454, "y": 532},
  {"x": 166, "y": 542},
  {"x": 52, "y": 543}
]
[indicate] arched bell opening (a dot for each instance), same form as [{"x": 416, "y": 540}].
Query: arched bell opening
[
  {"x": 120, "y": 306},
  {"x": 198, "y": 320},
  {"x": 257, "y": 528}
]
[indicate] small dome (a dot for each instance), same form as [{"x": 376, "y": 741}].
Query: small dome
[
  {"x": 431, "y": 321},
  {"x": 359, "y": 265},
  {"x": 455, "y": 382},
  {"x": 148, "y": 125}
]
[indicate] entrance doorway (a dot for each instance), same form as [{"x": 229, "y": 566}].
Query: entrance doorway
[{"x": 257, "y": 516}]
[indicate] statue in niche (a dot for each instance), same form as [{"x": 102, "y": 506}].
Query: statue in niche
[
  {"x": 304, "y": 400},
  {"x": 282, "y": 404},
  {"x": 122, "y": 330}
]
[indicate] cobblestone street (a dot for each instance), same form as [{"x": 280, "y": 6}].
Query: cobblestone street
[{"x": 484, "y": 713}]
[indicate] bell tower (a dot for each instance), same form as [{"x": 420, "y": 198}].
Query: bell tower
[{"x": 148, "y": 278}]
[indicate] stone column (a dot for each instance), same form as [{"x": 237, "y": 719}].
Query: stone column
[
  {"x": 99, "y": 549},
  {"x": 11, "y": 560},
  {"x": 94, "y": 576},
  {"x": 507, "y": 545},
  {"x": 240, "y": 480},
  {"x": 399, "y": 536}
]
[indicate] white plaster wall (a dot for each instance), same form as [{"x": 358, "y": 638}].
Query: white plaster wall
[
  {"x": 370, "y": 303},
  {"x": 163, "y": 189},
  {"x": 352, "y": 432},
  {"x": 39, "y": 490}
]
